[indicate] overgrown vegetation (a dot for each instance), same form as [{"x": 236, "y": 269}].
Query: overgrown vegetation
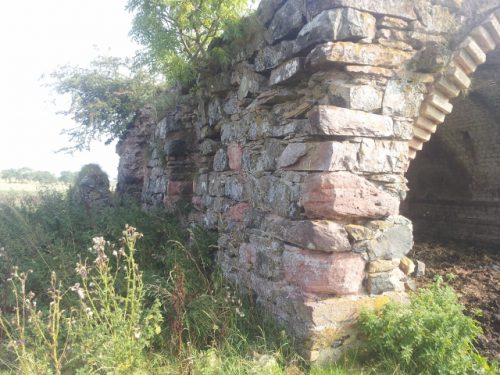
[{"x": 75, "y": 311}]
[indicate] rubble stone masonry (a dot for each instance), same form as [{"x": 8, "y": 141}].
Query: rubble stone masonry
[{"x": 297, "y": 154}]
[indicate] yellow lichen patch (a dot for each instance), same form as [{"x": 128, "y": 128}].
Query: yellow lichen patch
[{"x": 380, "y": 302}]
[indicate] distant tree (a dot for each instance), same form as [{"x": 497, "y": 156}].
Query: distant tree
[
  {"x": 104, "y": 98},
  {"x": 25, "y": 174},
  {"x": 43, "y": 177},
  {"x": 176, "y": 33},
  {"x": 28, "y": 174},
  {"x": 10, "y": 174},
  {"x": 67, "y": 177}
]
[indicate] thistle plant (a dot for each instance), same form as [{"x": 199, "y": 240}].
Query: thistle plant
[
  {"x": 111, "y": 307},
  {"x": 34, "y": 338},
  {"x": 106, "y": 330}
]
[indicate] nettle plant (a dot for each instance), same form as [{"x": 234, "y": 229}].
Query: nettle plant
[{"x": 107, "y": 329}]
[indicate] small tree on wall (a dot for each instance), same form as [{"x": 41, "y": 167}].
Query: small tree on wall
[
  {"x": 104, "y": 98},
  {"x": 176, "y": 33}
]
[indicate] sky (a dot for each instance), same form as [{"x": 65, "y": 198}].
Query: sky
[{"x": 35, "y": 38}]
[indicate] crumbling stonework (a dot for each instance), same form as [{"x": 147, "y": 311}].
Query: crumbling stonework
[
  {"x": 297, "y": 155},
  {"x": 91, "y": 187},
  {"x": 133, "y": 149}
]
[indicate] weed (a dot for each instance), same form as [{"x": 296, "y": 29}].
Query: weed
[{"x": 431, "y": 335}]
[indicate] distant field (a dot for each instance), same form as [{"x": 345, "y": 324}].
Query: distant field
[{"x": 14, "y": 190}]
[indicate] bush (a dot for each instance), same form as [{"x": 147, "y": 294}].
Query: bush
[{"x": 431, "y": 335}]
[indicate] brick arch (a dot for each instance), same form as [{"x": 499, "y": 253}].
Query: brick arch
[{"x": 455, "y": 79}]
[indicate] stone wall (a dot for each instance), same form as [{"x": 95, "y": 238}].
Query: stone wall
[{"x": 297, "y": 154}]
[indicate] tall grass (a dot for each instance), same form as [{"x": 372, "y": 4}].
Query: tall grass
[{"x": 206, "y": 326}]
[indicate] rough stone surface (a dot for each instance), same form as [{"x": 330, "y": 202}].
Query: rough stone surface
[
  {"x": 381, "y": 265},
  {"x": 403, "y": 99},
  {"x": 419, "y": 269},
  {"x": 132, "y": 152},
  {"x": 406, "y": 265},
  {"x": 364, "y": 97},
  {"x": 271, "y": 56},
  {"x": 345, "y": 195},
  {"x": 267, "y": 9},
  {"x": 92, "y": 187},
  {"x": 395, "y": 241},
  {"x": 336, "y": 273},
  {"x": 359, "y": 232},
  {"x": 346, "y": 53},
  {"x": 220, "y": 161},
  {"x": 292, "y": 153},
  {"x": 288, "y": 71},
  {"x": 287, "y": 21},
  {"x": 331, "y": 120},
  {"x": 336, "y": 25},
  {"x": 320, "y": 235},
  {"x": 234, "y": 153},
  {"x": 398, "y": 8},
  {"x": 386, "y": 282}
]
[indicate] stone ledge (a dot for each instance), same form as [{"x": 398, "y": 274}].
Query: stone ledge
[
  {"x": 331, "y": 120},
  {"x": 348, "y": 53}
]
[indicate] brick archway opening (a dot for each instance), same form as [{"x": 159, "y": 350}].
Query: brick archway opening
[{"x": 454, "y": 181}]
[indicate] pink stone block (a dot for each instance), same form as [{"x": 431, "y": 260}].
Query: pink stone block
[
  {"x": 179, "y": 188},
  {"x": 237, "y": 212},
  {"x": 338, "y": 195},
  {"x": 197, "y": 202},
  {"x": 234, "y": 153},
  {"x": 328, "y": 273}
]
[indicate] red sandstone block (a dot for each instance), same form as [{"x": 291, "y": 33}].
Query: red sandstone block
[
  {"x": 237, "y": 212},
  {"x": 345, "y": 195},
  {"x": 197, "y": 202},
  {"x": 234, "y": 153},
  {"x": 328, "y": 273},
  {"x": 179, "y": 188}
]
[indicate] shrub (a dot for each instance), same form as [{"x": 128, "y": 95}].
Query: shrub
[
  {"x": 105, "y": 98},
  {"x": 431, "y": 335}
]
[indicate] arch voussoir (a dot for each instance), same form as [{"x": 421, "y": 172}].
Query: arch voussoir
[{"x": 471, "y": 53}]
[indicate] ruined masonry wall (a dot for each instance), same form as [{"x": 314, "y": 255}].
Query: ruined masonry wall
[{"x": 297, "y": 155}]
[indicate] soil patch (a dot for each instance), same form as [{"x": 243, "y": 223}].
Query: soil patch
[{"x": 475, "y": 276}]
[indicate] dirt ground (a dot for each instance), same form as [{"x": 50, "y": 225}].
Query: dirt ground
[{"x": 477, "y": 281}]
